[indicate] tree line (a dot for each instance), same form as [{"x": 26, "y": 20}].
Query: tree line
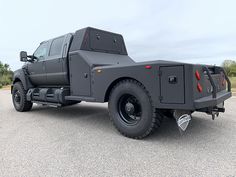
[
  {"x": 230, "y": 67},
  {"x": 5, "y": 74}
]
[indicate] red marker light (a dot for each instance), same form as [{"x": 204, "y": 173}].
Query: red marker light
[
  {"x": 197, "y": 75},
  {"x": 148, "y": 66},
  {"x": 199, "y": 87}
]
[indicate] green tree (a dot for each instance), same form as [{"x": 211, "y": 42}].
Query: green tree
[
  {"x": 233, "y": 70},
  {"x": 229, "y": 66},
  {"x": 5, "y": 74}
]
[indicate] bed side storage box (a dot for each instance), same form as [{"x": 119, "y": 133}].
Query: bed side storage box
[{"x": 172, "y": 84}]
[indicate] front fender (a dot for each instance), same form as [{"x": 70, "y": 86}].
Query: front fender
[{"x": 21, "y": 76}]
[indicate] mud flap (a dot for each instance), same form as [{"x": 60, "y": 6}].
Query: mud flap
[{"x": 182, "y": 119}]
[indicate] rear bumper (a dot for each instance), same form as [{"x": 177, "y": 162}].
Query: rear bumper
[{"x": 209, "y": 101}]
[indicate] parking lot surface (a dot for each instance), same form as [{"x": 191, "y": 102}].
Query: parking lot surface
[{"x": 80, "y": 141}]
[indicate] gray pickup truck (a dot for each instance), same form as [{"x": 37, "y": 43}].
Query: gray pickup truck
[{"x": 93, "y": 65}]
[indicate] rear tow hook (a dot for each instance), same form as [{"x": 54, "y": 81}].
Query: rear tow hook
[
  {"x": 182, "y": 119},
  {"x": 215, "y": 112},
  {"x": 214, "y": 115}
]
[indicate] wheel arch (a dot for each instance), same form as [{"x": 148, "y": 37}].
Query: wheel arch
[
  {"x": 17, "y": 80},
  {"x": 108, "y": 91},
  {"x": 19, "y": 76}
]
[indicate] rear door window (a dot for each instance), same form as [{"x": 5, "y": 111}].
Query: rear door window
[{"x": 56, "y": 46}]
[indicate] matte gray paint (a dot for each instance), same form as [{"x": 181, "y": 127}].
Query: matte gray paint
[
  {"x": 87, "y": 71},
  {"x": 80, "y": 80},
  {"x": 150, "y": 78},
  {"x": 172, "y": 92},
  {"x": 21, "y": 75}
]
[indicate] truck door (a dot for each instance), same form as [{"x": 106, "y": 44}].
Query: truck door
[
  {"x": 172, "y": 85},
  {"x": 54, "y": 63},
  {"x": 37, "y": 69}
]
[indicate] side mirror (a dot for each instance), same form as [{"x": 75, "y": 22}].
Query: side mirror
[{"x": 23, "y": 56}]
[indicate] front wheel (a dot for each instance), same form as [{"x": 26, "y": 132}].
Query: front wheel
[
  {"x": 131, "y": 110},
  {"x": 19, "y": 98}
]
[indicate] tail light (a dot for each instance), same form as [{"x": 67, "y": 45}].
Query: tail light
[
  {"x": 197, "y": 75},
  {"x": 199, "y": 87}
]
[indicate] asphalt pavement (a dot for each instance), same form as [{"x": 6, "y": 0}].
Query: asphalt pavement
[{"x": 80, "y": 141}]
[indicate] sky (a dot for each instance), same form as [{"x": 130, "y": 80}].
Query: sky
[{"x": 192, "y": 31}]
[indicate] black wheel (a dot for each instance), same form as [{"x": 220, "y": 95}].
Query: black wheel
[
  {"x": 131, "y": 110},
  {"x": 19, "y": 98}
]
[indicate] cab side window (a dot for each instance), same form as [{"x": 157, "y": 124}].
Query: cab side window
[
  {"x": 56, "y": 46},
  {"x": 41, "y": 51}
]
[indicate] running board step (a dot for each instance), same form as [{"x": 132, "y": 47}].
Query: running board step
[
  {"x": 79, "y": 98},
  {"x": 48, "y": 103}
]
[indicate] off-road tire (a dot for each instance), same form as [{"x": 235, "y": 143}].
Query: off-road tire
[
  {"x": 22, "y": 105},
  {"x": 149, "y": 119}
]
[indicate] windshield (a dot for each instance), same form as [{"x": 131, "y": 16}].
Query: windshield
[{"x": 41, "y": 51}]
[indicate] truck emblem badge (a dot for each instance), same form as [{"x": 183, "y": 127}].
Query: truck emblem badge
[{"x": 183, "y": 121}]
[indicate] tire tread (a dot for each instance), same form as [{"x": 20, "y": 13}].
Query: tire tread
[
  {"x": 27, "y": 105},
  {"x": 156, "y": 118}
]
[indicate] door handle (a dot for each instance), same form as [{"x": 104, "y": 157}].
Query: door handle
[
  {"x": 44, "y": 65},
  {"x": 172, "y": 79},
  {"x": 85, "y": 75}
]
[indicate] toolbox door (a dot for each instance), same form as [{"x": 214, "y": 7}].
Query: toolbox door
[
  {"x": 79, "y": 76},
  {"x": 172, "y": 84}
]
